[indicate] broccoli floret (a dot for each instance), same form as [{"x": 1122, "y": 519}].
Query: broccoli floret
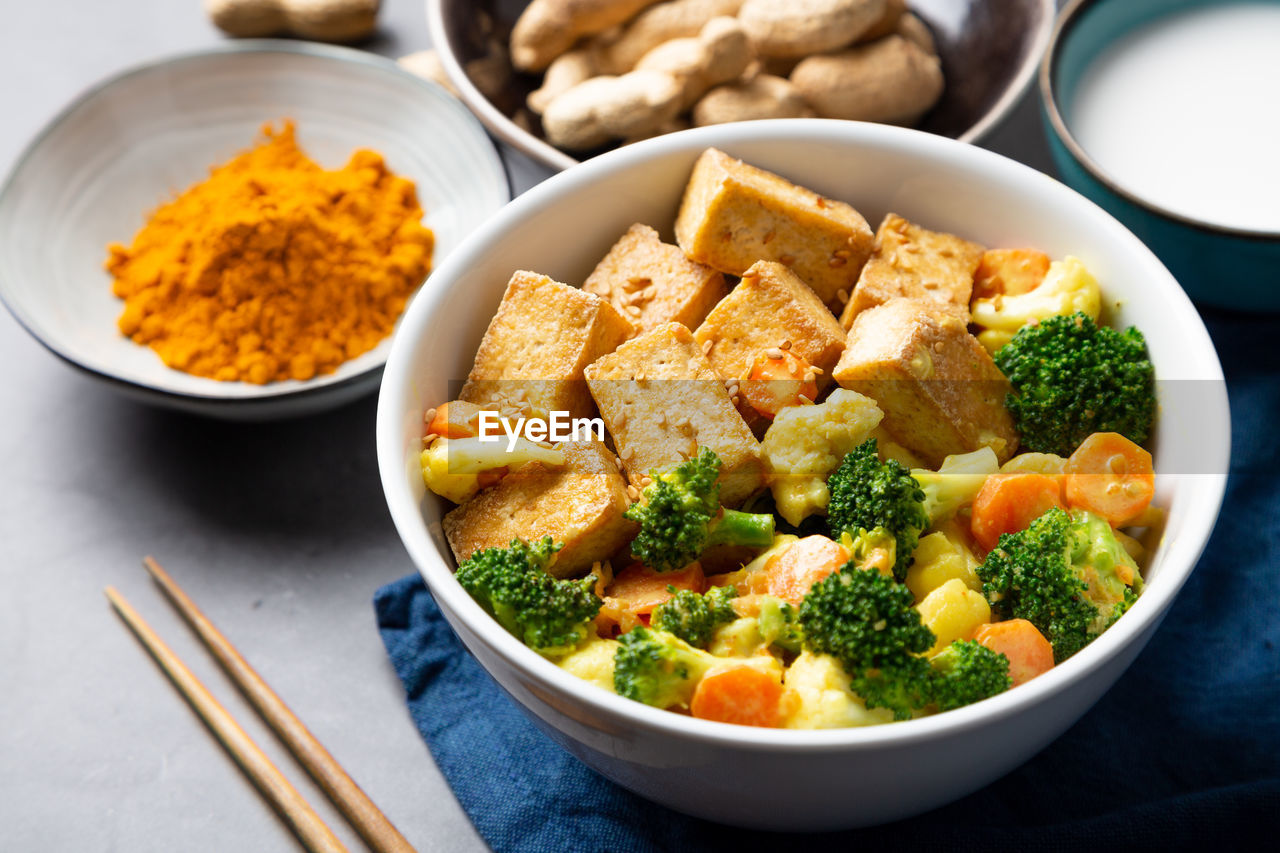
[
  {"x": 693, "y": 617},
  {"x": 680, "y": 516},
  {"x": 1067, "y": 574},
  {"x": 658, "y": 668},
  {"x": 1071, "y": 378},
  {"x": 780, "y": 624},
  {"x": 966, "y": 672},
  {"x": 550, "y": 616},
  {"x": 867, "y": 493},
  {"x": 956, "y": 482},
  {"x": 867, "y": 622}
]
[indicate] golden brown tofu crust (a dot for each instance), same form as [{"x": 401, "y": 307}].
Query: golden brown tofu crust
[
  {"x": 651, "y": 282},
  {"x": 580, "y": 504},
  {"x": 939, "y": 389},
  {"x": 543, "y": 334},
  {"x": 916, "y": 263},
  {"x": 661, "y": 401},
  {"x": 770, "y": 307},
  {"x": 734, "y": 214}
]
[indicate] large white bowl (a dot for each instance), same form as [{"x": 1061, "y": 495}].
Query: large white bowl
[
  {"x": 807, "y": 780},
  {"x": 91, "y": 177}
]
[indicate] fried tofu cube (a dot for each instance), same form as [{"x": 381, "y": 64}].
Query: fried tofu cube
[
  {"x": 661, "y": 400},
  {"x": 538, "y": 343},
  {"x": 652, "y": 282},
  {"x": 768, "y": 308},
  {"x": 938, "y": 388},
  {"x": 734, "y": 214},
  {"x": 916, "y": 263},
  {"x": 579, "y": 504}
]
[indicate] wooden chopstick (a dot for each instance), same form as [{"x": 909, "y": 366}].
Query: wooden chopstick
[
  {"x": 374, "y": 827},
  {"x": 286, "y": 800}
]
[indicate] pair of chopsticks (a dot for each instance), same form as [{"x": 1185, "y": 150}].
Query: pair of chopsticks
[{"x": 364, "y": 816}]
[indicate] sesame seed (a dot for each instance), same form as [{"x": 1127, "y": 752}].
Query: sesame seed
[
  {"x": 842, "y": 295},
  {"x": 835, "y": 263},
  {"x": 620, "y": 421},
  {"x": 842, "y": 253},
  {"x": 633, "y": 310},
  {"x": 633, "y": 493},
  {"x": 662, "y": 419},
  {"x": 817, "y": 370},
  {"x": 773, "y": 352},
  {"x": 787, "y": 260},
  {"x": 429, "y": 416},
  {"x": 617, "y": 463},
  {"x": 706, "y": 346}
]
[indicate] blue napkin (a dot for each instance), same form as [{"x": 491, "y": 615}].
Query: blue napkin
[{"x": 1182, "y": 753}]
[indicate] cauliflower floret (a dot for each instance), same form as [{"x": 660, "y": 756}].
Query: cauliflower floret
[
  {"x": 823, "y": 699},
  {"x": 956, "y": 482},
  {"x": 1068, "y": 287},
  {"x": 593, "y": 662},
  {"x": 452, "y": 467},
  {"x": 806, "y": 443}
]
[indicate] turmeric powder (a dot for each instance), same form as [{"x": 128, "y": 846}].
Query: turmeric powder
[{"x": 273, "y": 268}]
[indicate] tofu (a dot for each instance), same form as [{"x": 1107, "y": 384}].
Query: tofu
[
  {"x": 538, "y": 343},
  {"x": 651, "y": 282},
  {"x": 939, "y": 389},
  {"x": 661, "y": 400},
  {"x": 916, "y": 263},
  {"x": 734, "y": 214},
  {"x": 580, "y": 505},
  {"x": 770, "y": 306}
]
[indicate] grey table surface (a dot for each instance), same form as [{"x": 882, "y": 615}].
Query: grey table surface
[{"x": 278, "y": 530}]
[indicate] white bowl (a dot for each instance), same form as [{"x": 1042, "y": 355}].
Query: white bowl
[
  {"x": 807, "y": 780},
  {"x": 91, "y": 177}
]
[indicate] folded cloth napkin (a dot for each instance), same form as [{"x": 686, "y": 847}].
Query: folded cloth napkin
[{"x": 1182, "y": 753}]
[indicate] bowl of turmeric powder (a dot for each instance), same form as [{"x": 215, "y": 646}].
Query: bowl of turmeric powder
[{"x": 236, "y": 232}]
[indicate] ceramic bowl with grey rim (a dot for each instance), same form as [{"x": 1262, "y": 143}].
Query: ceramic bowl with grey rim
[
  {"x": 131, "y": 143},
  {"x": 1232, "y": 266},
  {"x": 989, "y": 49}
]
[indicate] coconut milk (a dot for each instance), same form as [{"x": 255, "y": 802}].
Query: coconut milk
[{"x": 1185, "y": 113}]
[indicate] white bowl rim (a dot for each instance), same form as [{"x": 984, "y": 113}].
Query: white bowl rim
[
  {"x": 554, "y": 158},
  {"x": 407, "y": 517},
  {"x": 274, "y": 391}
]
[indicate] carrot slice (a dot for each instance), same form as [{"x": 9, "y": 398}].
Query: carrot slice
[
  {"x": 789, "y": 575},
  {"x": 775, "y": 383},
  {"x": 640, "y": 588},
  {"x": 1007, "y": 503},
  {"x": 742, "y": 695},
  {"x": 1011, "y": 272},
  {"x": 1029, "y": 653},
  {"x": 442, "y": 426},
  {"x": 1111, "y": 476}
]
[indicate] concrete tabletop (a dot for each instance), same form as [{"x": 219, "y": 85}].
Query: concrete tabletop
[{"x": 279, "y": 531}]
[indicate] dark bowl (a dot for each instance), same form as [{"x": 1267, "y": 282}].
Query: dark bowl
[{"x": 989, "y": 48}]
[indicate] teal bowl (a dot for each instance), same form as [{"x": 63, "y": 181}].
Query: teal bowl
[{"x": 1230, "y": 267}]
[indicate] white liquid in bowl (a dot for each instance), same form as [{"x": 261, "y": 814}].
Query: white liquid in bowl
[{"x": 1185, "y": 113}]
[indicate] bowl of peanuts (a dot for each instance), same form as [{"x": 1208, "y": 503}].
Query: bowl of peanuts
[
  {"x": 563, "y": 81},
  {"x": 551, "y": 240}
]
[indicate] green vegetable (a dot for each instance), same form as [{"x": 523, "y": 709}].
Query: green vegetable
[
  {"x": 693, "y": 617},
  {"x": 550, "y": 616},
  {"x": 680, "y": 516},
  {"x": 867, "y": 622},
  {"x": 1064, "y": 574},
  {"x": 779, "y": 624},
  {"x": 1071, "y": 378},
  {"x": 966, "y": 672},
  {"x": 956, "y": 482},
  {"x": 658, "y": 668},
  {"x": 867, "y": 493}
]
